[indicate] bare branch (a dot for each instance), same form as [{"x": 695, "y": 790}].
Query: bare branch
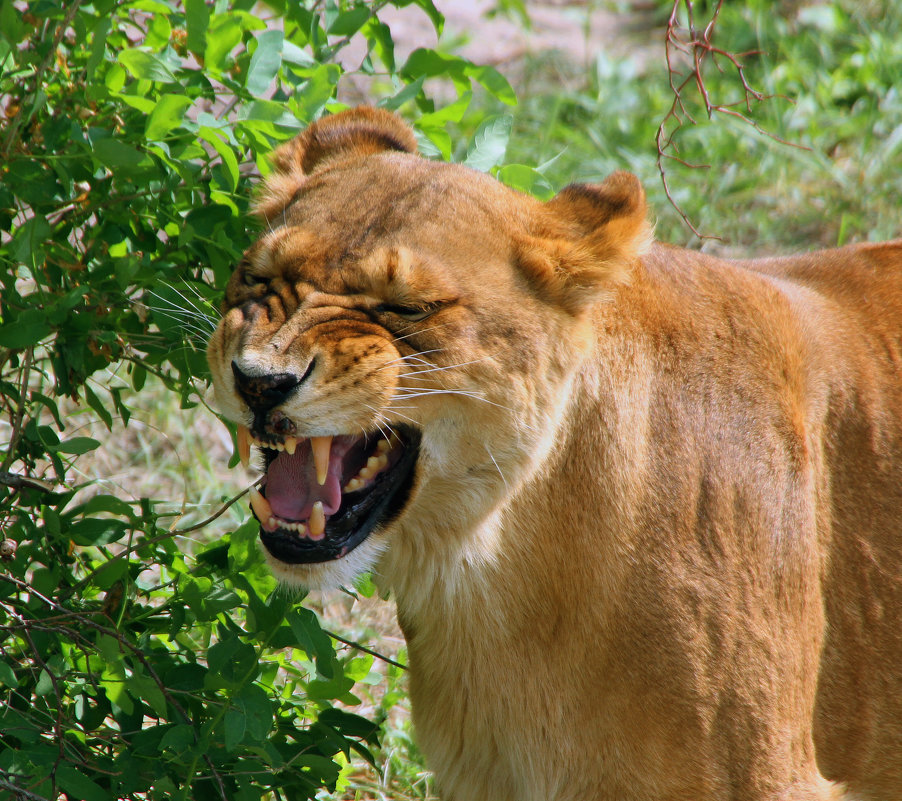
[{"x": 693, "y": 44}]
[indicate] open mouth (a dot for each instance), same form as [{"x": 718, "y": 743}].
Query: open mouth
[{"x": 322, "y": 497}]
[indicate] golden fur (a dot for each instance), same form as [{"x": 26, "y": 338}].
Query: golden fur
[{"x": 654, "y": 545}]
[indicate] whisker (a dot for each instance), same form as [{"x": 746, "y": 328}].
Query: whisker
[
  {"x": 412, "y": 356},
  {"x": 414, "y": 333},
  {"x": 496, "y": 467},
  {"x": 415, "y": 422},
  {"x": 437, "y": 369}
]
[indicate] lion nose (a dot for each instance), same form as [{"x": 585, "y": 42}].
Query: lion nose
[{"x": 264, "y": 392}]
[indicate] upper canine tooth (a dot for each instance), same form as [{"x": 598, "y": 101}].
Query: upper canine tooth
[
  {"x": 291, "y": 444},
  {"x": 244, "y": 445},
  {"x": 321, "y": 446}
]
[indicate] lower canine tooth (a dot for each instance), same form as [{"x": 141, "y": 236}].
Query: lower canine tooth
[
  {"x": 261, "y": 506},
  {"x": 317, "y": 521}
]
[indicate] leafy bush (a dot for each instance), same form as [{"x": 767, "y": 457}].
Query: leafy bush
[{"x": 131, "y": 130}]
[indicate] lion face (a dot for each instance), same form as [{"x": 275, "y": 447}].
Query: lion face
[{"x": 397, "y": 341}]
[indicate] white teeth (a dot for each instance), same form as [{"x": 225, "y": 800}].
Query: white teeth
[
  {"x": 384, "y": 446},
  {"x": 374, "y": 465},
  {"x": 317, "y": 521},
  {"x": 321, "y": 448},
  {"x": 244, "y": 445}
]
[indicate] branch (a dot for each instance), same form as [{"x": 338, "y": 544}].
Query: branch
[
  {"x": 696, "y": 44},
  {"x": 358, "y": 647},
  {"x": 17, "y": 482}
]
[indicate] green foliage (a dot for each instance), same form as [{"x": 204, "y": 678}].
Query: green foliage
[
  {"x": 833, "y": 71},
  {"x": 130, "y": 668}
]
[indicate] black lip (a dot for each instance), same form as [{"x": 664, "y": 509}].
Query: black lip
[{"x": 360, "y": 512}]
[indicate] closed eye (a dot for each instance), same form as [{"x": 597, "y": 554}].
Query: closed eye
[
  {"x": 253, "y": 280},
  {"x": 412, "y": 314}
]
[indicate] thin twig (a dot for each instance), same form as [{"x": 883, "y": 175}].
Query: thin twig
[
  {"x": 20, "y": 411},
  {"x": 358, "y": 647}
]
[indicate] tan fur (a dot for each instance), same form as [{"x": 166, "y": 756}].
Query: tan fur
[{"x": 654, "y": 548}]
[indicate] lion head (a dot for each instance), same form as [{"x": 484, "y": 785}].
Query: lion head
[{"x": 399, "y": 341}]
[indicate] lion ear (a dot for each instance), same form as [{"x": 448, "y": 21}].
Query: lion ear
[
  {"x": 599, "y": 231},
  {"x": 350, "y": 134}
]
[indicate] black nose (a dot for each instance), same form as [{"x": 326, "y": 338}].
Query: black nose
[{"x": 264, "y": 392}]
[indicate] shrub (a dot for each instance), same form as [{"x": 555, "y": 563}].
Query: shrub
[{"x": 131, "y": 130}]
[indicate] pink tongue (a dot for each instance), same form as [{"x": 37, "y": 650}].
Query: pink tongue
[{"x": 292, "y": 489}]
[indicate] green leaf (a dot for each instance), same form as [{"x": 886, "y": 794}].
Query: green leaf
[
  {"x": 489, "y": 143},
  {"x": 268, "y": 116},
  {"x": 493, "y": 82},
  {"x": 231, "y": 660},
  {"x": 311, "y": 98},
  {"x": 95, "y": 403},
  {"x": 167, "y": 114},
  {"x": 295, "y": 55},
  {"x": 378, "y": 34},
  {"x": 250, "y": 714},
  {"x": 223, "y": 36},
  {"x": 8, "y": 675},
  {"x": 265, "y": 62},
  {"x": 526, "y": 179},
  {"x": 77, "y": 785},
  {"x": 235, "y": 726},
  {"x": 78, "y": 445},
  {"x": 197, "y": 18},
  {"x": 144, "y": 688},
  {"x": 117, "y": 156},
  {"x": 312, "y": 639},
  {"x": 96, "y": 531},
  {"x": 179, "y": 738},
  {"x": 27, "y": 330},
  {"x": 347, "y": 23},
  {"x": 229, "y": 162},
  {"x": 29, "y": 244},
  {"x": 430, "y": 63},
  {"x": 44, "y": 684},
  {"x": 146, "y": 66},
  {"x": 409, "y": 92}
]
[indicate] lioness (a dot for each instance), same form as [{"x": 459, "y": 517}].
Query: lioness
[{"x": 640, "y": 508}]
